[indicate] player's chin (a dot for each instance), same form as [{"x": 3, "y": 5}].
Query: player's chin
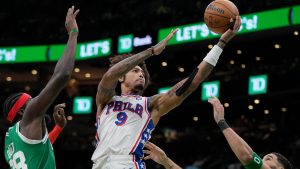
[{"x": 139, "y": 86}]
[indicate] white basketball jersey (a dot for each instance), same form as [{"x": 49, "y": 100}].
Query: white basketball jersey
[{"x": 123, "y": 127}]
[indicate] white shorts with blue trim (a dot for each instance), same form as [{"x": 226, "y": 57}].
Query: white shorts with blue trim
[{"x": 119, "y": 162}]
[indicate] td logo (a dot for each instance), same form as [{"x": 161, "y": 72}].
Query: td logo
[
  {"x": 82, "y": 105},
  {"x": 258, "y": 84},
  {"x": 210, "y": 89}
]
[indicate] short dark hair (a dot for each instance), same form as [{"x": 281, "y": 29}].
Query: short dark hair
[
  {"x": 283, "y": 161},
  {"x": 116, "y": 59},
  {"x": 9, "y": 103}
]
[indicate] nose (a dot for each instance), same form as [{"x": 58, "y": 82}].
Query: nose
[{"x": 141, "y": 75}]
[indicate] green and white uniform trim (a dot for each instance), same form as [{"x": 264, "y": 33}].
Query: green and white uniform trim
[
  {"x": 23, "y": 153},
  {"x": 256, "y": 162}
]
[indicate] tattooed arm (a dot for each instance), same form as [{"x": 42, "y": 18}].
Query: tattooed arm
[
  {"x": 107, "y": 85},
  {"x": 159, "y": 105},
  {"x": 163, "y": 103}
]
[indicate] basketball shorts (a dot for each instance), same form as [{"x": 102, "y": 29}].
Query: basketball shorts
[{"x": 119, "y": 162}]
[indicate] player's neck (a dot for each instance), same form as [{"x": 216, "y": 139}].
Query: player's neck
[{"x": 127, "y": 91}]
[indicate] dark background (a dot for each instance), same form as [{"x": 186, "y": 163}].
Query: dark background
[{"x": 192, "y": 144}]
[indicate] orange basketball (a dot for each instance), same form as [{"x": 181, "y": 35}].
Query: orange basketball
[{"x": 218, "y": 14}]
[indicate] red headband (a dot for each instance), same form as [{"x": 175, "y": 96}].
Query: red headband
[{"x": 17, "y": 106}]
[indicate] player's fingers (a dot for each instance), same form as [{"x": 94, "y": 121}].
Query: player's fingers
[
  {"x": 212, "y": 99},
  {"x": 174, "y": 31},
  {"x": 55, "y": 113},
  {"x": 146, "y": 151},
  {"x": 217, "y": 101},
  {"x": 62, "y": 105},
  {"x": 147, "y": 157},
  {"x": 76, "y": 12},
  {"x": 240, "y": 22},
  {"x": 212, "y": 102},
  {"x": 171, "y": 34},
  {"x": 61, "y": 111},
  {"x": 70, "y": 11},
  {"x": 237, "y": 23},
  {"x": 149, "y": 145},
  {"x": 56, "y": 109}
]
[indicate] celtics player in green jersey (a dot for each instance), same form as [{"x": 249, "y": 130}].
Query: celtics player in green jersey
[
  {"x": 241, "y": 149},
  {"x": 248, "y": 158},
  {"x": 27, "y": 145}
]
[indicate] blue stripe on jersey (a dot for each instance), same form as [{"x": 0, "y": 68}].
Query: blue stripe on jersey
[
  {"x": 144, "y": 138},
  {"x": 140, "y": 164}
]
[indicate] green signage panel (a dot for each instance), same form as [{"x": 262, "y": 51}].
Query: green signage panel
[
  {"x": 258, "y": 84},
  {"x": 250, "y": 23},
  {"x": 163, "y": 90},
  {"x": 82, "y": 105},
  {"x": 296, "y": 15},
  {"x": 210, "y": 89},
  {"x": 23, "y": 54},
  {"x": 84, "y": 51},
  {"x": 125, "y": 43}
]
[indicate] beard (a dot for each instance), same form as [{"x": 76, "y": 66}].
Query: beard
[{"x": 139, "y": 87}]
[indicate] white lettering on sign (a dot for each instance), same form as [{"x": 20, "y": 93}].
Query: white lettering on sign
[
  {"x": 94, "y": 49},
  {"x": 211, "y": 90},
  {"x": 8, "y": 56},
  {"x": 249, "y": 23},
  {"x": 83, "y": 105},
  {"x": 142, "y": 41},
  {"x": 259, "y": 84}
]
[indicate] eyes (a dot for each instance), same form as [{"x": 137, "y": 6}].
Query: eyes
[
  {"x": 136, "y": 70},
  {"x": 269, "y": 157}
]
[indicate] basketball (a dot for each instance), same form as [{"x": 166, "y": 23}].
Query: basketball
[{"x": 218, "y": 14}]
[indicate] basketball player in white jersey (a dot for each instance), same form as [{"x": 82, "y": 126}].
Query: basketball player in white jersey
[{"x": 125, "y": 122}]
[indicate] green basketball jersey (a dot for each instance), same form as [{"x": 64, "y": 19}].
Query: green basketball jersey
[{"x": 23, "y": 153}]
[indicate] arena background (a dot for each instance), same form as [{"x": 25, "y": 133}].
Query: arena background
[{"x": 268, "y": 121}]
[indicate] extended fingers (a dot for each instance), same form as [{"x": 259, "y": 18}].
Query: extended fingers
[
  {"x": 149, "y": 145},
  {"x": 213, "y": 100},
  {"x": 147, "y": 157},
  {"x": 171, "y": 34},
  {"x": 71, "y": 11},
  {"x": 146, "y": 151},
  {"x": 62, "y": 105},
  {"x": 76, "y": 12},
  {"x": 237, "y": 23},
  {"x": 61, "y": 111}
]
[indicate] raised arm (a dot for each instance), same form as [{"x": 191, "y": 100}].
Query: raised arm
[
  {"x": 107, "y": 85},
  {"x": 159, "y": 156},
  {"x": 31, "y": 123},
  {"x": 162, "y": 104},
  {"x": 240, "y": 148}
]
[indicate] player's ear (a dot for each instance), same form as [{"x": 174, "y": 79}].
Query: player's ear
[{"x": 121, "y": 79}]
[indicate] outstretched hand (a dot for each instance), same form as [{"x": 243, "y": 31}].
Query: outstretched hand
[
  {"x": 155, "y": 153},
  {"x": 70, "y": 22},
  {"x": 59, "y": 115},
  {"x": 231, "y": 32},
  {"x": 218, "y": 108},
  {"x": 158, "y": 48}
]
